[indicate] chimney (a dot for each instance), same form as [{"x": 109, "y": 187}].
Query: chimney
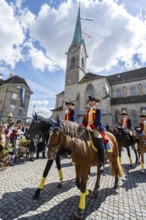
[{"x": 1, "y": 76}]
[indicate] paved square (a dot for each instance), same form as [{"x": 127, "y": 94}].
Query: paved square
[{"x": 18, "y": 183}]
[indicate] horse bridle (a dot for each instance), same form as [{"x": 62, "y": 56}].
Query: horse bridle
[
  {"x": 58, "y": 141},
  {"x": 52, "y": 155}
]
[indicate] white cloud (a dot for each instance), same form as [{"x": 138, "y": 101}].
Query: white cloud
[
  {"x": 41, "y": 107},
  {"x": 11, "y": 36},
  {"x": 117, "y": 34}
]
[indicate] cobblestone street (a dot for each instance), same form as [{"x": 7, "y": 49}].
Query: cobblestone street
[{"x": 18, "y": 183}]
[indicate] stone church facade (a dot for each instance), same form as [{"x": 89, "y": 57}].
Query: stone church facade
[{"x": 120, "y": 91}]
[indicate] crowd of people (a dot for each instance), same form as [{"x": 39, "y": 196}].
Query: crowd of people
[{"x": 14, "y": 141}]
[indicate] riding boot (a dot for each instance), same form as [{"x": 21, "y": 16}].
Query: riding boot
[{"x": 101, "y": 153}]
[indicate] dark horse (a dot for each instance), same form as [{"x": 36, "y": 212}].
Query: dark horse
[
  {"x": 124, "y": 140},
  {"x": 40, "y": 128},
  {"x": 84, "y": 155}
]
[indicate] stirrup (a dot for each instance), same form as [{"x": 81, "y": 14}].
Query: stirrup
[{"x": 101, "y": 168}]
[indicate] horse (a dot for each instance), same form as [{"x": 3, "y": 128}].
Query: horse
[
  {"x": 37, "y": 129},
  {"x": 141, "y": 145},
  {"x": 84, "y": 155},
  {"x": 124, "y": 140}
]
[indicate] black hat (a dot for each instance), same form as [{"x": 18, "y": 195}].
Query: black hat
[
  {"x": 143, "y": 113},
  {"x": 69, "y": 103},
  {"x": 124, "y": 112},
  {"x": 91, "y": 98}
]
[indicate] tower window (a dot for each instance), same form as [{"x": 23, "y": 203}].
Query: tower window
[
  {"x": 82, "y": 63},
  {"x": 72, "y": 64}
]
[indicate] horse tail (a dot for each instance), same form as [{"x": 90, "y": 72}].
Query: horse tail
[{"x": 115, "y": 165}]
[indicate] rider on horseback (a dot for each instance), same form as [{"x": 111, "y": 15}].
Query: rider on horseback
[
  {"x": 126, "y": 123},
  {"x": 70, "y": 114},
  {"x": 143, "y": 122},
  {"x": 92, "y": 121}
]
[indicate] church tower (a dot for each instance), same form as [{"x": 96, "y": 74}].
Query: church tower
[{"x": 76, "y": 56}]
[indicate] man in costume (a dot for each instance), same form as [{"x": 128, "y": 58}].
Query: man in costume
[
  {"x": 143, "y": 123},
  {"x": 126, "y": 123},
  {"x": 92, "y": 122},
  {"x": 70, "y": 114}
]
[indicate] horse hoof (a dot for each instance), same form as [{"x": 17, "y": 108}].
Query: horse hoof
[
  {"x": 131, "y": 165},
  {"x": 60, "y": 186},
  {"x": 78, "y": 214},
  {"x": 36, "y": 194}
]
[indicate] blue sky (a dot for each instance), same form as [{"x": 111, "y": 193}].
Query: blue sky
[{"x": 35, "y": 35}]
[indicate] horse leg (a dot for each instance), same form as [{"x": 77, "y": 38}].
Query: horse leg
[
  {"x": 129, "y": 155},
  {"x": 42, "y": 183},
  {"x": 78, "y": 175},
  {"x": 58, "y": 164},
  {"x": 83, "y": 193},
  {"x": 136, "y": 154},
  {"x": 97, "y": 184},
  {"x": 142, "y": 162}
]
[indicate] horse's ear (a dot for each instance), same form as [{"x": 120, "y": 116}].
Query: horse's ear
[
  {"x": 58, "y": 121},
  {"x": 51, "y": 121}
]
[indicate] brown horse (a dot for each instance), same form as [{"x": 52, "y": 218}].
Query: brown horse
[
  {"x": 124, "y": 140},
  {"x": 142, "y": 149},
  {"x": 84, "y": 156}
]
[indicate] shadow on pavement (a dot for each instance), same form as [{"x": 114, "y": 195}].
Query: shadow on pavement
[
  {"x": 65, "y": 210},
  {"x": 133, "y": 177},
  {"x": 15, "y": 204}
]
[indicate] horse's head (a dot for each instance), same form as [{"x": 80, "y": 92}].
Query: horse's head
[{"x": 56, "y": 140}]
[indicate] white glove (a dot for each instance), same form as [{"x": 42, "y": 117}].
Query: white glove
[{"x": 89, "y": 128}]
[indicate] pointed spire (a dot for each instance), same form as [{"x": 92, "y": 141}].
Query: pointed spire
[{"x": 77, "y": 39}]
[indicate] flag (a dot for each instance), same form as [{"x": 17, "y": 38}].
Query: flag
[
  {"x": 87, "y": 19},
  {"x": 87, "y": 35},
  {"x": 22, "y": 96}
]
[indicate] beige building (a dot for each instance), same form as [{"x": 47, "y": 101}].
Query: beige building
[
  {"x": 125, "y": 90},
  {"x": 14, "y": 98}
]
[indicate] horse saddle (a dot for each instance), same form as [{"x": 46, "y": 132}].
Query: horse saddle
[{"x": 94, "y": 140}]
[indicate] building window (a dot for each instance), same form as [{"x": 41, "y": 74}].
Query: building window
[
  {"x": 89, "y": 91},
  {"x": 14, "y": 96},
  {"x": 132, "y": 91},
  {"x": 134, "y": 117},
  {"x": 72, "y": 64},
  {"x": 117, "y": 117},
  {"x": 82, "y": 63},
  {"x": 12, "y": 108},
  {"x": 118, "y": 93}
]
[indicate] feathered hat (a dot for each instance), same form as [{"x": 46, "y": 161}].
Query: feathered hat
[
  {"x": 124, "y": 112},
  {"x": 92, "y": 98},
  {"x": 69, "y": 103},
  {"x": 143, "y": 113}
]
